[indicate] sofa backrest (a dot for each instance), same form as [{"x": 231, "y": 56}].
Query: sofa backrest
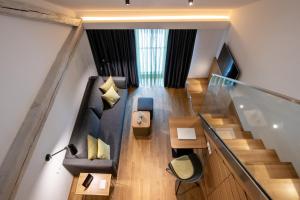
[
  {"x": 95, "y": 102},
  {"x": 81, "y": 118},
  {"x": 90, "y": 125}
]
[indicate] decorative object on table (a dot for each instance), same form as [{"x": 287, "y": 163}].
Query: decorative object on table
[
  {"x": 186, "y": 134},
  {"x": 141, "y": 125},
  {"x": 145, "y": 104},
  {"x": 139, "y": 119},
  {"x": 87, "y": 181},
  {"x": 71, "y": 147}
]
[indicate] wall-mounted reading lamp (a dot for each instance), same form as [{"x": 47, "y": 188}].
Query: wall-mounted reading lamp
[{"x": 71, "y": 147}]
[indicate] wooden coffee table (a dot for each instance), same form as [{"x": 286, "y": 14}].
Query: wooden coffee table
[
  {"x": 142, "y": 129},
  {"x": 186, "y": 122},
  {"x": 94, "y": 188}
]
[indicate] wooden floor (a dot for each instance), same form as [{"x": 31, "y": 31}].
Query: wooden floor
[{"x": 142, "y": 174}]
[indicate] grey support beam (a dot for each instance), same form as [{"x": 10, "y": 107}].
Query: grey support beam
[{"x": 21, "y": 9}]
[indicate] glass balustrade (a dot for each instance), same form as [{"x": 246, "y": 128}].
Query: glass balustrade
[{"x": 260, "y": 127}]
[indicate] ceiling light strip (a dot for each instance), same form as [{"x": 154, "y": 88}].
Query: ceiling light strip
[{"x": 146, "y": 18}]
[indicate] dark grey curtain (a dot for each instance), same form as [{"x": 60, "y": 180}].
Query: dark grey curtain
[
  {"x": 179, "y": 55},
  {"x": 115, "y": 53}
]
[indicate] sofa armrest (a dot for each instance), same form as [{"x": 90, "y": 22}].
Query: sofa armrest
[
  {"x": 120, "y": 81},
  {"x": 79, "y": 165}
]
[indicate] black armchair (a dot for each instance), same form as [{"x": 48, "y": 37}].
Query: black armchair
[{"x": 196, "y": 167}]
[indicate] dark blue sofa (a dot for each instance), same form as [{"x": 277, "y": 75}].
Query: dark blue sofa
[{"x": 96, "y": 118}]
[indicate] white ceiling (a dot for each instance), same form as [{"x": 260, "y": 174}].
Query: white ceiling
[{"x": 150, "y": 4}]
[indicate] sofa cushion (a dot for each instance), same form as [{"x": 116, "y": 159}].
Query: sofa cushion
[
  {"x": 95, "y": 101},
  {"x": 103, "y": 150},
  {"x": 90, "y": 125},
  {"x": 92, "y": 147},
  {"x": 120, "y": 81},
  {"x": 111, "y": 96},
  {"x": 108, "y": 84}
]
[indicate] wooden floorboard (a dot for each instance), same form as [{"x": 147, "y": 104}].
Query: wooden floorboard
[{"x": 142, "y": 163}]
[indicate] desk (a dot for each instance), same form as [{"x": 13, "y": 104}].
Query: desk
[{"x": 186, "y": 122}]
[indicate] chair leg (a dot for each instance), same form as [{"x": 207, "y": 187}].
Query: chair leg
[{"x": 176, "y": 191}]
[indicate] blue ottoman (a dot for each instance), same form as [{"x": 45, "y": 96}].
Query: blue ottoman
[{"x": 145, "y": 104}]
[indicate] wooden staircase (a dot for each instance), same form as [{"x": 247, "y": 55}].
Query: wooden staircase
[
  {"x": 279, "y": 179},
  {"x": 196, "y": 89}
]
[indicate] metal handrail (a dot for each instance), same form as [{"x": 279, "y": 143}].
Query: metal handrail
[{"x": 277, "y": 94}]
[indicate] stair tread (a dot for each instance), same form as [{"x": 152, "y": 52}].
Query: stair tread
[
  {"x": 244, "y": 144},
  {"x": 210, "y": 115},
  {"x": 231, "y": 133},
  {"x": 272, "y": 170},
  {"x": 254, "y": 155},
  {"x": 281, "y": 188},
  {"x": 219, "y": 121}
]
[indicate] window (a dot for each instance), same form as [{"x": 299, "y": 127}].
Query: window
[{"x": 151, "y": 48}]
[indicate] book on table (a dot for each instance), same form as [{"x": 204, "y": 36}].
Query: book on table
[{"x": 186, "y": 134}]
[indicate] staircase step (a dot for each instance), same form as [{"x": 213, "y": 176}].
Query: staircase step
[
  {"x": 272, "y": 170},
  {"x": 197, "y": 85},
  {"x": 231, "y": 125},
  {"x": 213, "y": 115},
  {"x": 196, "y": 101},
  {"x": 257, "y": 155},
  {"x": 232, "y": 133},
  {"x": 219, "y": 120},
  {"x": 282, "y": 188},
  {"x": 244, "y": 144}
]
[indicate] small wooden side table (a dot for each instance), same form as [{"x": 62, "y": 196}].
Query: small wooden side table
[
  {"x": 94, "y": 187},
  {"x": 142, "y": 129}
]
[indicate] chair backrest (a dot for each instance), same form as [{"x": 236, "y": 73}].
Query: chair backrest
[{"x": 197, "y": 165}]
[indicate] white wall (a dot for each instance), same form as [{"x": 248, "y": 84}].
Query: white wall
[
  {"x": 27, "y": 51},
  {"x": 206, "y": 48},
  {"x": 258, "y": 115},
  {"x": 50, "y": 180},
  {"x": 264, "y": 38}
]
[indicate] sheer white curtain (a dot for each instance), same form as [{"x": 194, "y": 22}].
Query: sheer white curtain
[{"x": 151, "y": 48}]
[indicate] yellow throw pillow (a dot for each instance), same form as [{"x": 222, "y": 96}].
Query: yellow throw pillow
[
  {"x": 92, "y": 147},
  {"x": 111, "y": 96},
  {"x": 103, "y": 150},
  {"x": 108, "y": 84}
]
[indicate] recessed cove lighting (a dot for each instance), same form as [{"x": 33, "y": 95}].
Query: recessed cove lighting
[
  {"x": 241, "y": 106},
  {"x": 127, "y": 2},
  {"x": 275, "y": 126},
  {"x": 157, "y": 18},
  {"x": 191, "y": 2}
]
